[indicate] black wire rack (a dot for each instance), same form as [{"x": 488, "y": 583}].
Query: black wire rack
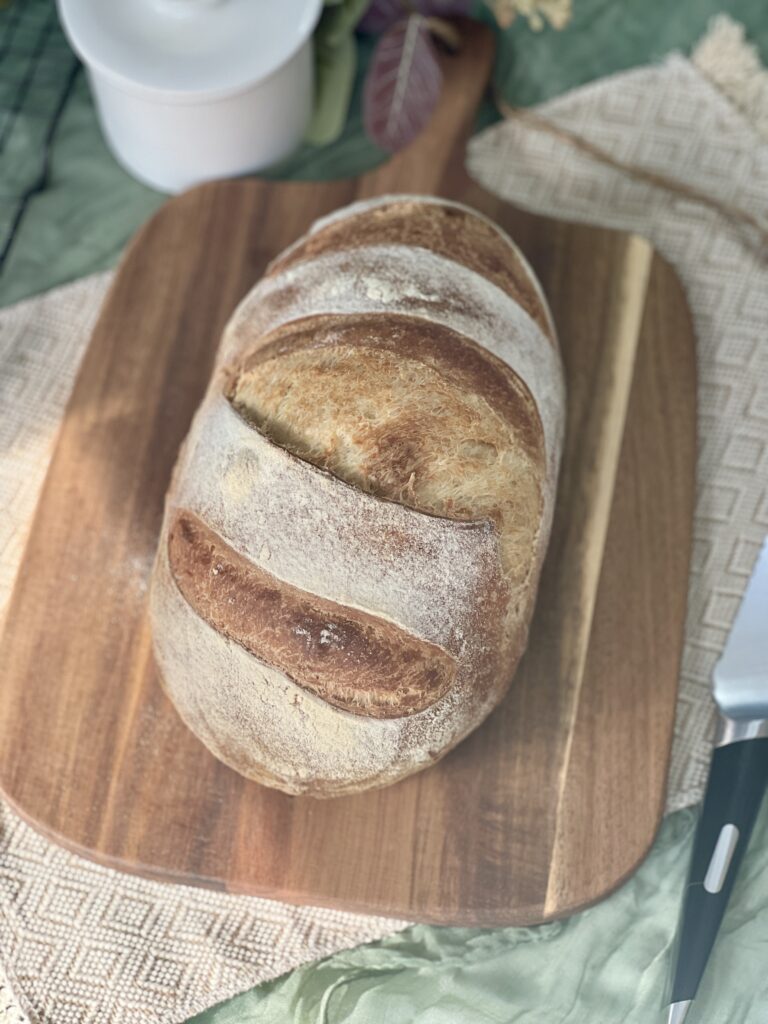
[{"x": 37, "y": 73}]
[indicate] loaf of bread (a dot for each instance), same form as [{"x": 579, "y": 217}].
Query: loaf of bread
[{"x": 357, "y": 520}]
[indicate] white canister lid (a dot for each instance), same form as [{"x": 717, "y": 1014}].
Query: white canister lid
[{"x": 187, "y": 50}]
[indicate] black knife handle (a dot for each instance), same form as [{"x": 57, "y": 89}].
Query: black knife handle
[{"x": 738, "y": 777}]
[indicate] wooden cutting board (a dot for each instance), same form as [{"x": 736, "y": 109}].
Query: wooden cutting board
[{"x": 557, "y": 797}]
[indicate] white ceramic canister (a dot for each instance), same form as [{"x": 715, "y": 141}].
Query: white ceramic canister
[{"x": 189, "y": 90}]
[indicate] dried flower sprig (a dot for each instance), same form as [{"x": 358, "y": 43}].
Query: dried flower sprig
[{"x": 537, "y": 12}]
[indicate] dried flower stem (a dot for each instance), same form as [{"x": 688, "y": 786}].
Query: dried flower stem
[{"x": 446, "y": 32}]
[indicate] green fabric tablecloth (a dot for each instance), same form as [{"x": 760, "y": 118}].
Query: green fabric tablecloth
[{"x": 605, "y": 965}]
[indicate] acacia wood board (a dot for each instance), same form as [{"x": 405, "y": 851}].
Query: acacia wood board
[{"x": 557, "y": 797}]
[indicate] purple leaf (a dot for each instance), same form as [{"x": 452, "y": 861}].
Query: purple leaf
[
  {"x": 403, "y": 84},
  {"x": 382, "y": 14}
]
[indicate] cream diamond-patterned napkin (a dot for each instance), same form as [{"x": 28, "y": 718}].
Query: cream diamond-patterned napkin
[{"x": 82, "y": 943}]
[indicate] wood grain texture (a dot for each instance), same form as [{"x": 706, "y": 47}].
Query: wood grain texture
[{"x": 557, "y": 797}]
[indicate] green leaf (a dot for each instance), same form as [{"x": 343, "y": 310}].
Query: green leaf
[
  {"x": 334, "y": 78},
  {"x": 339, "y": 19}
]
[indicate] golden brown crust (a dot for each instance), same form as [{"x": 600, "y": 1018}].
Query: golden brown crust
[
  {"x": 458, "y": 234},
  {"x": 469, "y": 366},
  {"x": 349, "y": 658}
]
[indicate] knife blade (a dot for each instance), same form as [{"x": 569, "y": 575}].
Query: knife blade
[{"x": 740, "y": 681}]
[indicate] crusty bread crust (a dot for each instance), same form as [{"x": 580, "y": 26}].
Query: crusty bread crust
[
  {"x": 408, "y": 410},
  {"x": 443, "y": 228},
  {"x": 353, "y": 660},
  {"x": 259, "y": 722},
  {"x": 407, "y": 281},
  {"x": 427, "y": 620},
  {"x": 465, "y": 363}
]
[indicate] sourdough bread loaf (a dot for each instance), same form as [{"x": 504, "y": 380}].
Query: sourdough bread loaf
[{"x": 357, "y": 520}]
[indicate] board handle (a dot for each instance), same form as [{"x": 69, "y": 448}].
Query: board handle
[{"x": 434, "y": 161}]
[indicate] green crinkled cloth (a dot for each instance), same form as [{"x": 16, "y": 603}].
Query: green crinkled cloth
[{"x": 606, "y": 965}]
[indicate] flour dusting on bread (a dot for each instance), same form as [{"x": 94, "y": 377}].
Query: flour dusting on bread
[{"x": 357, "y": 521}]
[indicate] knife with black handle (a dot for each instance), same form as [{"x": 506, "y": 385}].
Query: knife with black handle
[{"x": 738, "y": 778}]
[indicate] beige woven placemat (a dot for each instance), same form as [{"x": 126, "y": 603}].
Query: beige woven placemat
[{"x": 83, "y": 943}]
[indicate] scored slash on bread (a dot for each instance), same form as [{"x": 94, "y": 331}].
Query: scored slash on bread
[
  {"x": 351, "y": 659},
  {"x": 357, "y": 521}
]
